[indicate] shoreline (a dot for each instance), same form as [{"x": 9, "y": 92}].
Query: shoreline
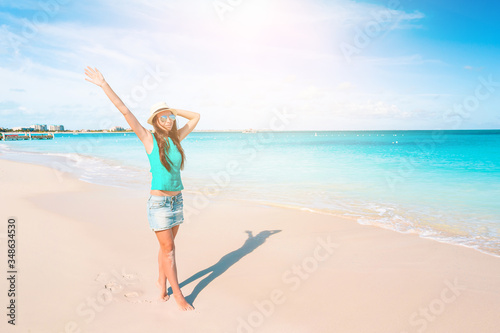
[
  {"x": 372, "y": 223},
  {"x": 269, "y": 268},
  {"x": 436, "y": 234}
]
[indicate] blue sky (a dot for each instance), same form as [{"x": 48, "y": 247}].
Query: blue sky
[{"x": 330, "y": 65}]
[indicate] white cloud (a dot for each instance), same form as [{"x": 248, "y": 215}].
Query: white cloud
[
  {"x": 311, "y": 92},
  {"x": 345, "y": 86},
  {"x": 414, "y": 59},
  {"x": 473, "y": 68}
]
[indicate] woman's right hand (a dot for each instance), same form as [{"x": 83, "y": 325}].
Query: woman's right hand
[{"x": 95, "y": 76}]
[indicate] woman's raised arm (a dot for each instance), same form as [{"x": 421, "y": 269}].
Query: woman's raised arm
[
  {"x": 193, "y": 117},
  {"x": 97, "y": 78}
]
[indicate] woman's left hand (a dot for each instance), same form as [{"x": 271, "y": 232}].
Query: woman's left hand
[{"x": 95, "y": 76}]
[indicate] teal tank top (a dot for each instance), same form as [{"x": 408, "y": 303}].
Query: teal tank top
[{"x": 162, "y": 179}]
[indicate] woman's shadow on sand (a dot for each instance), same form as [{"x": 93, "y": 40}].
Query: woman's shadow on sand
[{"x": 225, "y": 262}]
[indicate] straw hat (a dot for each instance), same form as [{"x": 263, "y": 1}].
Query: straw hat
[{"x": 158, "y": 107}]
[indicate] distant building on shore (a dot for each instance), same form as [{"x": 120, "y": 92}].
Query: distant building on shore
[
  {"x": 22, "y": 129},
  {"x": 38, "y": 127},
  {"x": 116, "y": 129},
  {"x": 56, "y": 128}
]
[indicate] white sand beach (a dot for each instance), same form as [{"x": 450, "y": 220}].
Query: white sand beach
[{"x": 87, "y": 262}]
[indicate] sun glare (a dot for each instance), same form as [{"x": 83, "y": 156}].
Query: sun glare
[{"x": 251, "y": 19}]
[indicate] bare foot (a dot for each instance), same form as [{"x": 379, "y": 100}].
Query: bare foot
[
  {"x": 163, "y": 291},
  {"x": 181, "y": 302}
]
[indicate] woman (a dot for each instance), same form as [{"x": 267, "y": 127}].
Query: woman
[{"x": 166, "y": 157}]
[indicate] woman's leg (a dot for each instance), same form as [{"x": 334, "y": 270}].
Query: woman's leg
[
  {"x": 167, "y": 249},
  {"x": 162, "y": 278}
]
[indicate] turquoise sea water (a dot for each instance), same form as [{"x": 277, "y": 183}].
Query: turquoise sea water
[{"x": 443, "y": 185}]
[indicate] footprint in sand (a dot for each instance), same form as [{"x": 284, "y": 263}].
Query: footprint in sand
[
  {"x": 119, "y": 285},
  {"x": 100, "y": 277},
  {"x": 113, "y": 286},
  {"x": 130, "y": 277},
  {"x": 134, "y": 297},
  {"x": 131, "y": 294}
]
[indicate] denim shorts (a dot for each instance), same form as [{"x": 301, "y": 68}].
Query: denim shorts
[{"x": 165, "y": 212}]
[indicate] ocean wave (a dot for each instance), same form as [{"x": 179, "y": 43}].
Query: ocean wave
[
  {"x": 397, "y": 219},
  {"x": 90, "y": 169}
]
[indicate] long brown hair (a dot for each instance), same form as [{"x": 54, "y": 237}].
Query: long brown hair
[{"x": 160, "y": 135}]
